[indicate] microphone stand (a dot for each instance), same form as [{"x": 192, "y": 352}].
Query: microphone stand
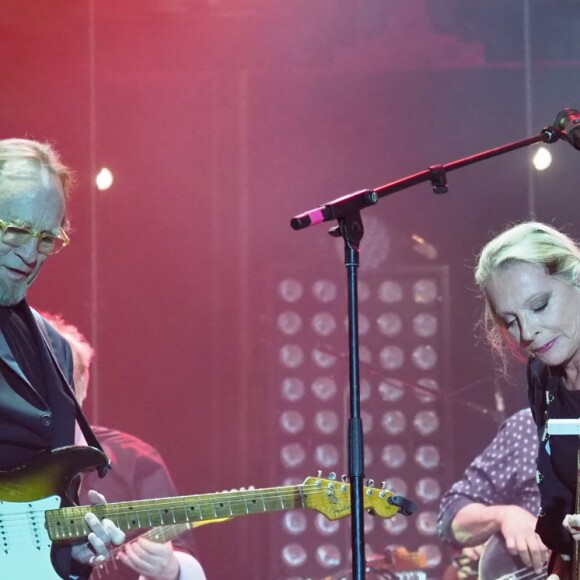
[
  {"x": 351, "y": 229},
  {"x": 347, "y": 210}
]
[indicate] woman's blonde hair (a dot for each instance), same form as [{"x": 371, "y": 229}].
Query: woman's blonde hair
[{"x": 532, "y": 242}]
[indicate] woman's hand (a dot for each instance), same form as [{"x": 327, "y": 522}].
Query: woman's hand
[
  {"x": 518, "y": 529},
  {"x": 101, "y": 538}
]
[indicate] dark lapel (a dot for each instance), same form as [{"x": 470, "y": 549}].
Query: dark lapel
[
  {"x": 56, "y": 363},
  {"x": 8, "y": 358}
]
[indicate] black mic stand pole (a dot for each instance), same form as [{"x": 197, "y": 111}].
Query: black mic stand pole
[
  {"x": 346, "y": 210},
  {"x": 351, "y": 229}
]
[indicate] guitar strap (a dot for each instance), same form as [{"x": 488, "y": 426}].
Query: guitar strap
[
  {"x": 90, "y": 436},
  {"x": 86, "y": 429},
  {"x": 538, "y": 377}
]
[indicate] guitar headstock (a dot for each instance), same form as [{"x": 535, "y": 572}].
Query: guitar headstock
[{"x": 331, "y": 497}]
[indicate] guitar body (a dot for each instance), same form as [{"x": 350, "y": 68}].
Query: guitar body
[
  {"x": 496, "y": 563},
  {"x": 26, "y": 493},
  {"x": 26, "y": 551}
]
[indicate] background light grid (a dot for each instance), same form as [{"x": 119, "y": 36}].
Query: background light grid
[{"x": 403, "y": 325}]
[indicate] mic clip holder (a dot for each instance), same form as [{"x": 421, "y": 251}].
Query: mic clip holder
[
  {"x": 438, "y": 178},
  {"x": 552, "y": 134}
]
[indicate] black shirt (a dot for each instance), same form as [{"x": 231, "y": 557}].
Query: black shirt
[{"x": 566, "y": 404}]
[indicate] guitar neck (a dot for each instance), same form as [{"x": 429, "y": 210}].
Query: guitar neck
[
  {"x": 66, "y": 524},
  {"x": 327, "y": 496}
]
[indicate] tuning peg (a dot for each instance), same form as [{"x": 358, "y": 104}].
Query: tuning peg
[
  {"x": 344, "y": 478},
  {"x": 332, "y": 475},
  {"x": 370, "y": 483},
  {"x": 319, "y": 473},
  {"x": 384, "y": 490}
]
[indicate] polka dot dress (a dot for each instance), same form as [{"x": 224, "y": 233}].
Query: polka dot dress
[{"x": 504, "y": 474}]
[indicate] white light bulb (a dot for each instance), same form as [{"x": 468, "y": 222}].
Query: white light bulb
[
  {"x": 542, "y": 159},
  {"x": 104, "y": 179}
]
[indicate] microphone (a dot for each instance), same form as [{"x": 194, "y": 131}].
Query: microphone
[
  {"x": 336, "y": 209},
  {"x": 423, "y": 247},
  {"x": 568, "y": 121}
]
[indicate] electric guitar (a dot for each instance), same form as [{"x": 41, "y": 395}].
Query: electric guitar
[
  {"x": 32, "y": 519},
  {"x": 496, "y": 563}
]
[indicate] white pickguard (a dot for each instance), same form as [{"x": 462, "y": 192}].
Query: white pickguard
[{"x": 24, "y": 542}]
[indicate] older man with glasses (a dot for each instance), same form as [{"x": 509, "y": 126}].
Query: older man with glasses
[{"x": 38, "y": 411}]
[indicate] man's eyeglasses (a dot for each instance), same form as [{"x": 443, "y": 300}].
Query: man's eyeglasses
[{"x": 48, "y": 244}]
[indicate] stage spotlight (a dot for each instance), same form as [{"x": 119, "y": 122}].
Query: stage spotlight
[
  {"x": 104, "y": 179},
  {"x": 542, "y": 159}
]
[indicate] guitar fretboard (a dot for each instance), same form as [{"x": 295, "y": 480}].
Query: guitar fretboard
[{"x": 69, "y": 523}]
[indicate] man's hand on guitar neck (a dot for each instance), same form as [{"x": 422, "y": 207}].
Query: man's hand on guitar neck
[
  {"x": 159, "y": 561},
  {"x": 101, "y": 539}
]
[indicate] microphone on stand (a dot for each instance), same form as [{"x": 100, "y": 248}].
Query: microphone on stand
[{"x": 568, "y": 121}]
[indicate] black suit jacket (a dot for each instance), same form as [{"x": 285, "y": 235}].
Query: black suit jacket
[{"x": 31, "y": 422}]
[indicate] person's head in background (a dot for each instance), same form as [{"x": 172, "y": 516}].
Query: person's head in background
[
  {"x": 34, "y": 186},
  {"x": 82, "y": 353}
]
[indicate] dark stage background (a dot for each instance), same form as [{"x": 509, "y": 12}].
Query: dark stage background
[{"x": 223, "y": 119}]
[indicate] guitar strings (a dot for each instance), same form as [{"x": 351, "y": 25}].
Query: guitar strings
[
  {"x": 526, "y": 574},
  {"x": 249, "y": 502},
  {"x": 246, "y": 499}
]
